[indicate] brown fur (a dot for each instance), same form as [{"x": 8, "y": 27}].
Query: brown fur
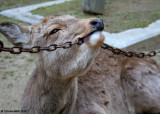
[{"x": 114, "y": 84}]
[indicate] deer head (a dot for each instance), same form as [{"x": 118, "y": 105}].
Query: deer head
[{"x": 62, "y": 63}]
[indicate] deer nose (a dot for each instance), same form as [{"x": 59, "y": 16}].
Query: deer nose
[{"x": 97, "y": 24}]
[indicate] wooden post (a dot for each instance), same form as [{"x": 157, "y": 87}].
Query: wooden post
[{"x": 93, "y": 6}]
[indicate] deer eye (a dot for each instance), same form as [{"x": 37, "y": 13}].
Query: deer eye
[{"x": 54, "y": 31}]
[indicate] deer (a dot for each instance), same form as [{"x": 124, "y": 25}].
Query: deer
[{"x": 83, "y": 79}]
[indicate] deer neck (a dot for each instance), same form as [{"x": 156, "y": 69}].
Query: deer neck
[{"x": 60, "y": 94}]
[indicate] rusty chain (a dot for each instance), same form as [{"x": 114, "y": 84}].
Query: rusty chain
[
  {"x": 37, "y": 49},
  {"x": 130, "y": 53},
  {"x": 53, "y": 47}
]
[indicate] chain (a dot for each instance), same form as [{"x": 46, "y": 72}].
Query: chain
[
  {"x": 53, "y": 47},
  {"x": 37, "y": 49},
  {"x": 130, "y": 53}
]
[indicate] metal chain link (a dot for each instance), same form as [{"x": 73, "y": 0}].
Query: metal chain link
[
  {"x": 37, "y": 49},
  {"x": 66, "y": 45},
  {"x": 130, "y": 53}
]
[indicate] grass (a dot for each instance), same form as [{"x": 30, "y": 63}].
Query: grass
[
  {"x": 26, "y": 73},
  {"x": 114, "y": 22},
  {"x": 30, "y": 60},
  {"x": 16, "y": 78},
  {"x": 23, "y": 57},
  {"x": 10, "y": 84},
  {"x": 7, "y": 57},
  {"x": 4, "y": 77},
  {"x": 6, "y": 19},
  {"x": 8, "y": 4},
  {"x": 11, "y": 72}
]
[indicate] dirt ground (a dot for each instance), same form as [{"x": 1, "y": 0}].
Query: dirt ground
[
  {"x": 15, "y": 70},
  {"x": 14, "y": 73}
]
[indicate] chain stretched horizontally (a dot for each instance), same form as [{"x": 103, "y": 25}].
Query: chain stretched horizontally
[
  {"x": 53, "y": 47},
  {"x": 37, "y": 49}
]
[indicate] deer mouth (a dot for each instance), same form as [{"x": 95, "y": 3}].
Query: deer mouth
[{"x": 87, "y": 37}]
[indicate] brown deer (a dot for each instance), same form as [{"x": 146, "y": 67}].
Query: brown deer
[{"x": 114, "y": 84}]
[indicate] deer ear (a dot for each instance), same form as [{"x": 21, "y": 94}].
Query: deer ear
[{"x": 18, "y": 35}]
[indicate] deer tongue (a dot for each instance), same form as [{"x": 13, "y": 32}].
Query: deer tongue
[{"x": 85, "y": 39}]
